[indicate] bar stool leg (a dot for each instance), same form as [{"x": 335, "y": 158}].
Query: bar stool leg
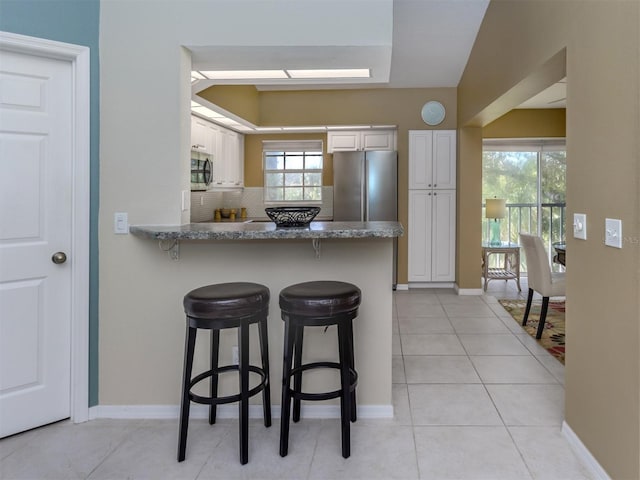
[
  {"x": 243, "y": 404},
  {"x": 297, "y": 378},
  {"x": 213, "y": 389},
  {"x": 189, "y": 347},
  {"x": 289, "y": 336},
  {"x": 354, "y": 416},
  {"x": 264, "y": 352},
  {"x": 345, "y": 396}
]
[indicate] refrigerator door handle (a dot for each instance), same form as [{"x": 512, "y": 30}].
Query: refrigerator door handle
[{"x": 364, "y": 199}]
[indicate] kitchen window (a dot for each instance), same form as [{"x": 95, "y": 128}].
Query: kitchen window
[{"x": 292, "y": 171}]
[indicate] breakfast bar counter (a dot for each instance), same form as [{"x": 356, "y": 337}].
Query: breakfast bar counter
[
  {"x": 361, "y": 253},
  {"x": 268, "y": 231}
]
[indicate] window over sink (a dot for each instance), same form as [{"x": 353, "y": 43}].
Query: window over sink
[{"x": 292, "y": 171}]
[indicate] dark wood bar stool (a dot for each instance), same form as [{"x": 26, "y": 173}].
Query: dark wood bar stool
[
  {"x": 216, "y": 307},
  {"x": 318, "y": 304}
]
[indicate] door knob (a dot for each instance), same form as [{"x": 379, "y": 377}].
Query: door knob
[{"x": 59, "y": 257}]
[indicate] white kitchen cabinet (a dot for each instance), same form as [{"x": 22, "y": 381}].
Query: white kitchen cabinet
[
  {"x": 432, "y": 231},
  {"x": 233, "y": 154},
  {"x": 432, "y": 159},
  {"x": 200, "y": 135},
  {"x": 227, "y": 150},
  {"x": 361, "y": 140},
  {"x": 432, "y": 205}
]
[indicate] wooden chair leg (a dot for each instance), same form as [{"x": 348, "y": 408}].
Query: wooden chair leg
[
  {"x": 285, "y": 409},
  {"x": 543, "y": 317},
  {"x": 213, "y": 388},
  {"x": 526, "y": 310},
  {"x": 189, "y": 347},
  {"x": 243, "y": 404},
  {"x": 349, "y": 328},
  {"x": 264, "y": 353},
  {"x": 297, "y": 378},
  {"x": 345, "y": 397}
]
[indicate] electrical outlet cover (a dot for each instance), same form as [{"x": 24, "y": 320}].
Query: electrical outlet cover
[
  {"x": 613, "y": 232},
  {"x": 580, "y": 226}
]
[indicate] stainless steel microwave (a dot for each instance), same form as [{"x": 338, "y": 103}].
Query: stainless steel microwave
[{"x": 200, "y": 171}]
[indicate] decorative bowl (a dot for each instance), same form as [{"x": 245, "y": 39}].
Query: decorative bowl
[{"x": 292, "y": 216}]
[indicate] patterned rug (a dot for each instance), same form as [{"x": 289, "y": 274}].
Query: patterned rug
[{"x": 553, "y": 333}]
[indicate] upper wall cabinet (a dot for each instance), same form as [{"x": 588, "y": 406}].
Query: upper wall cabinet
[
  {"x": 432, "y": 159},
  {"x": 227, "y": 150},
  {"x": 361, "y": 140},
  {"x": 200, "y": 135}
]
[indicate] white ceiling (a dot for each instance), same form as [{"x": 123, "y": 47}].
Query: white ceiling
[{"x": 429, "y": 47}]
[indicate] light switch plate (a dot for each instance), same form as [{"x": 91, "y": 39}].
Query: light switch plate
[
  {"x": 580, "y": 226},
  {"x": 613, "y": 232},
  {"x": 120, "y": 223}
]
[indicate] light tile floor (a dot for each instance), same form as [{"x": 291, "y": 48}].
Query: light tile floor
[{"x": 474, "y": 397}]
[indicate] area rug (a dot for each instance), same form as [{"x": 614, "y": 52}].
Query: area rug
[{"x": 552, "y": 335}]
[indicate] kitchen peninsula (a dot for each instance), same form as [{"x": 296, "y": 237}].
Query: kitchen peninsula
[{"x": 356, "y": 252}]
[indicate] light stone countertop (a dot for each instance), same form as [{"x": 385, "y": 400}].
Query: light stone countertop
[{"x": 267, "y": 231}]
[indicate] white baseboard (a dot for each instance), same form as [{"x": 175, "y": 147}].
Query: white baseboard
[
  {"x": 402, "y": 286},
  {"x": 431, "y": 285},
  {"x": 228, "y": 411},
  {"x": 583, "y": 453},
  {"x": 469, "y": 291}
]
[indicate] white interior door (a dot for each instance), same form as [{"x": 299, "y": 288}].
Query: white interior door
[{"x": 36, "y": 195}]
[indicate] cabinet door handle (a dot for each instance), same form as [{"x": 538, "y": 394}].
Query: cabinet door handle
[{"x": 434, "y": 185}]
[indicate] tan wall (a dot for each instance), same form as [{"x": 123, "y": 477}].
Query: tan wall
[
  {"x": 518, "y": 50},
  {"x": 523, "y": 123},
  {"x": 469, "y": 172},
  {"x": 398, "y": 107},
  {"x": 239, "y": 99}
]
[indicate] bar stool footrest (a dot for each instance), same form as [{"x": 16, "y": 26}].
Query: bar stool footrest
[
  {"x": 323, "y": 395},
  {"x": 229, "y": 398}
]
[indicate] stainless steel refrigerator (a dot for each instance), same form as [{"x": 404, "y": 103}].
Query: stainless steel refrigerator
[{"x": 365, "y": 188}]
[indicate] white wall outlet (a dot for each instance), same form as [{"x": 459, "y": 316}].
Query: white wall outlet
[
  {"x": 580, "y": 226},
  {"x": 613, "y": 232},
  {"x": 121, "y": 223},
  {"x": 234, "y": 354}
]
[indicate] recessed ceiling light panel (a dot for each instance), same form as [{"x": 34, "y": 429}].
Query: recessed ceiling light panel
[
  {"x": 243, "y": 74},
  {"x": 331, "y": 73},
  {"x": 207, "y": 112}
]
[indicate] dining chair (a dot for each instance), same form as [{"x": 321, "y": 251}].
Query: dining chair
[{"x": 540, "y": 277}]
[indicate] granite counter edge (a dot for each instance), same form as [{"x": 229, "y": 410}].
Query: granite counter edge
[{"x": 186, "y": 232}]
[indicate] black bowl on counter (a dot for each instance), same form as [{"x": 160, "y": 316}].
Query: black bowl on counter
[{"x": 292, "y": 216}]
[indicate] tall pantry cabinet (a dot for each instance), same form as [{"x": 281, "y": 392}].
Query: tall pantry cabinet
[{"x": 432, "y": 205}]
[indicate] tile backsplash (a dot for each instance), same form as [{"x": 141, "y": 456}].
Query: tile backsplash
[{"x": 204, "y": 203}]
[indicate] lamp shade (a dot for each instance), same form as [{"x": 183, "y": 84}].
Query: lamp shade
[{"x": 496, "y": 208}]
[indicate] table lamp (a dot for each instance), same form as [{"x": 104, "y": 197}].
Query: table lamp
[{"x": 496, "y": 209}]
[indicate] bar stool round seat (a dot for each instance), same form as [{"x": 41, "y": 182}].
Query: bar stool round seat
[
  {"x": 317, "y": 304},
  {"x": 217, "y": 307}
]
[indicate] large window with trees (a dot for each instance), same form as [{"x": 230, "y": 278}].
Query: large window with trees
[{"x": 531, "y": 176}]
